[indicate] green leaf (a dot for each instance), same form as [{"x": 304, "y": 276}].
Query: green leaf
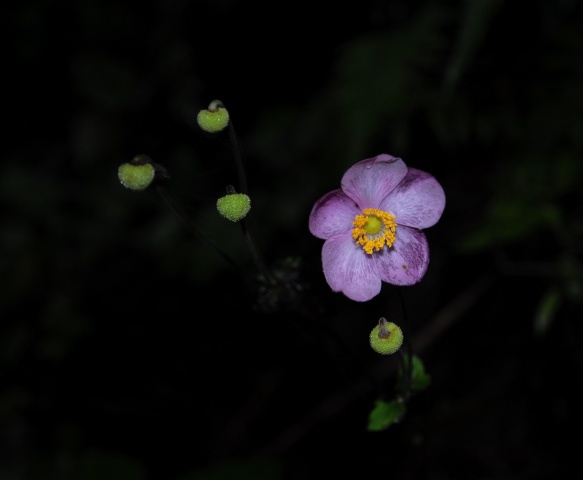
[
  {"x": 384, "y": 414},
  {"x": 238, "y": 470},
  {"x": 546, "y": 310},
  {"x": 477, "y": 18},
  {"x": 420, "y": 380},
  {"x": 97, "y": 465},
  {"x": 509, "y": 221}
]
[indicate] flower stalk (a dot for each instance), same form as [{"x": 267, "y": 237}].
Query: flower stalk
[
  {"x": 196, "y": 231},
  {"x": 246, "y": 226},
  {"x": 382, "y": 208},
  {"x": 406, "y": 353}
]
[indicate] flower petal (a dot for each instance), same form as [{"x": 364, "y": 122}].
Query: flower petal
[
  {"x": 370, "y": 181},
  {"x": 418, "y": 201},
  {"x": 406, "y": 262},
  {"x": 332, "y": 214},
  {"x": 348, "y": 269}
]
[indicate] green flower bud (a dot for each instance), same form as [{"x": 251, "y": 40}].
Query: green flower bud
[
  {"x": 234, "y": 206},
  {"x": 386, "y": 338},
  {"x": 214, "y": 119},
  {"x": 137, "y": 174}
]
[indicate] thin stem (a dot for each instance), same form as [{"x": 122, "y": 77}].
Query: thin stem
[
  {"x": 255, "y": 253},
  {"x": 338, "y": 402},
  {"x": 238, "y": 158},
  {"x": 194, "y": 229},
  {"x": 406, "y": 358},
  {"x": 245, "y": 225}
]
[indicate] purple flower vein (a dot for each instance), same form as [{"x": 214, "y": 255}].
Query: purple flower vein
[{"x": 384, "y": 183}]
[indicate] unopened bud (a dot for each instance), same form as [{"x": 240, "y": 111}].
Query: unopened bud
[
  {"x": 386, "y": 338},
  {"x": 137, "y": 174},
  {"x": 214, "y": 119},
  {"x": 234, "y": 206}
]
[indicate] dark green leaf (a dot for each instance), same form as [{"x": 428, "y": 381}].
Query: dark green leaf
[
  {"x": 547, "y": 308},
  {"x": 384, "y": 414}
]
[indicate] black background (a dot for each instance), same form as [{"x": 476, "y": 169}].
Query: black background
[{"x": 130, "y": 349}]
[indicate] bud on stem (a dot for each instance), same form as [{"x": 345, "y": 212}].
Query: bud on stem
[{"x": 386, "y": 338}]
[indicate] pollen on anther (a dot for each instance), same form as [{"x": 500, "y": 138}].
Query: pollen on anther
[{"x": 386, "y": 236}]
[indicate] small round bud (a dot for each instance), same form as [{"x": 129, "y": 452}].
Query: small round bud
[
  {"x": 214, "y": 119},
  {"x": 136, "y": 176},
  {"x": 234, "y": 206},
  {"x": 386, "y": 338}
]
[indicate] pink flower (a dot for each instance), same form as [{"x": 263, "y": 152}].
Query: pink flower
[{"x": 372, "y": 226}]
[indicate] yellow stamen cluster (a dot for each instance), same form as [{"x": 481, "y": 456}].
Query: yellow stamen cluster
[{"x": 374, "y": 229}]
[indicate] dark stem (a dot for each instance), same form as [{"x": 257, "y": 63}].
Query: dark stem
[
  {"x": 406, "y": 357},
  {"x": 238, "y": 158},
  {"x": 246, "y": 225},
  {"x": 257, "y": 258},
  {"x": 194, "y": 229}
]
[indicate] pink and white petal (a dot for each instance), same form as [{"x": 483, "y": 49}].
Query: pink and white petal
[
  {"x": 418, "y": 201},
  {"x": 369, "y": 181},
  {"x": 406, "y": 262},
  {"x": 332, "y": 214},
  {"x": 348, "y": 269}
]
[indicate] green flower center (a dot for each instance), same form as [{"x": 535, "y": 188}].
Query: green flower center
[{"x": 374, "y": 229}]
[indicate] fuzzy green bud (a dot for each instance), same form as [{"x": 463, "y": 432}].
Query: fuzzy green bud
[
  {"x": 137, "y": 174},
  {"x": 386, "y": 338},
  {"x": 234, "y": 206},
  {"x": 214, "y": 119}
]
